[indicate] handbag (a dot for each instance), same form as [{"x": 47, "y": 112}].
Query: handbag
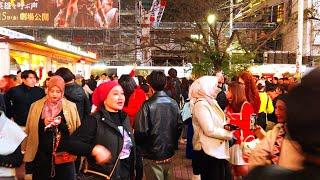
[
  {"x": 248, "y": 146},
  {"x": 61, "y": 157},
  {"x": 87, "y": 171}
]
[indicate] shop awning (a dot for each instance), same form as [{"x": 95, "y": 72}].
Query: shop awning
[{"x": 41, "y": 47}]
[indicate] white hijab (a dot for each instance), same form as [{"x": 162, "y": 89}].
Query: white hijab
[{"x": 204, "y": 87}]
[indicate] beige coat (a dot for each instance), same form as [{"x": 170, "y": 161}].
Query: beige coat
[
  {"x": 209, "y": 134},
  {"x": 30, "y": 144},
  {"x": 290, "y": 155}
]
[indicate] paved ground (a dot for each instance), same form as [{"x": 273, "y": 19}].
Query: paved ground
[{"x": 182, "y": 165}]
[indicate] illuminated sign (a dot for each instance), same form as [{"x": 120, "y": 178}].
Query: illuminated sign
[
  {"x": 68, "y": 47},
  {"x": 56, "y": 13},
  {"x": 14, "y": 34}
]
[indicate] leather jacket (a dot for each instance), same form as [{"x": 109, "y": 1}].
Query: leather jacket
[
  {"x": 156, "y": 127},
  {"x": 75, "y": 93}
]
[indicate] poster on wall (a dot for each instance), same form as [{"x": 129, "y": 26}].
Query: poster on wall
[{"x": 60, "y": 13}]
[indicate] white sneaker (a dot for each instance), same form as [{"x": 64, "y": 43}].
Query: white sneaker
[{"x": 195, "y": 177}]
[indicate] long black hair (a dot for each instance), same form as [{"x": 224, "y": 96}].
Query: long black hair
[{"x": 128, "y": 85}]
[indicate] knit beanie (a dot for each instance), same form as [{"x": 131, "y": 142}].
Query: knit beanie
[
  {"x": 56, "y": 81},
  {"x": 102, "y": 91}
]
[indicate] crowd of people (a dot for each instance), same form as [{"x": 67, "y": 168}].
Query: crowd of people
[
  {"x": 130, "y": 127},
  {"x": 86, "y": 13}
]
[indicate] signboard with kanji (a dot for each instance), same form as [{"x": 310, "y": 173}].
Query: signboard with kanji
[{"x": 60, "y": 13}]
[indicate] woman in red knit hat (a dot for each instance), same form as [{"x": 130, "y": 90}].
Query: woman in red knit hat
[{"x": 106, "y": 138}]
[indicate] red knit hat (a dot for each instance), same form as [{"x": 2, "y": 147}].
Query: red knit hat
[
  {"x": 56, "y": 81},
  {"x": 102, "y": 91}
]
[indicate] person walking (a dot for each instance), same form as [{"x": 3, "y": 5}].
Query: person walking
[
  {"x": 106, "y": 139},
  {"x": 156, "y": 127},
  {"x": 50, "y": 122},
  {"x": 75, "y": 93},
  {"x": 19, "y": 99}
]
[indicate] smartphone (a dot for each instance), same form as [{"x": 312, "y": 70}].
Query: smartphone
[
  {"x": 253, "y": 121},
  {"x": 232, "y": 127}
]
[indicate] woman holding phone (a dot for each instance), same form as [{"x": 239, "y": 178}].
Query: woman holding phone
[
  {"x": 210, "y": 139},
  {"x": 238, "y": 113},
  {"x": 277, "y": 147},
  {"x": 50, "y": 122}
]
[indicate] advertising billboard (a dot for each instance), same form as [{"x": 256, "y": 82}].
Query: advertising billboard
[{"x": 60, "y": 13}]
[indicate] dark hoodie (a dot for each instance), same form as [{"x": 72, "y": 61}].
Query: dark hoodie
[{"x": 74, "y": 93}]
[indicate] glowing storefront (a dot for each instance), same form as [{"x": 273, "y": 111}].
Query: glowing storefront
[{"x": 26, "y": 54}]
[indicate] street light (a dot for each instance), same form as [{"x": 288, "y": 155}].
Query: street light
[{"x": 211, "y": 18}]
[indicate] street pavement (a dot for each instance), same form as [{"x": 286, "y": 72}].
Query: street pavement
[{"x": 182, "y": 165}]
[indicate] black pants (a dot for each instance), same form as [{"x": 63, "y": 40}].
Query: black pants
[
  {"x": 42, "y": 169},
  {"x": 139, "y": 165},
  {"x": 62, "y": 171},
  {"x": 213, "y": 168},
  {"x": 196, "y": 162}
]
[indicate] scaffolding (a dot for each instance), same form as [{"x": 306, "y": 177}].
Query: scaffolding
[{"x": 117, "y": 44}]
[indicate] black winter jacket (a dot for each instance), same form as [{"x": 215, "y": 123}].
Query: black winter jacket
[
  {"x": 156, "y": 127},
  {"x": 75, "y": 93},
  {"x": 18, "y": 101},
  {"x": 100, "y": 129}
]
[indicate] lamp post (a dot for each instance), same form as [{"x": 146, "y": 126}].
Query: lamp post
[
  {"x": 230, "y": 31},
  {"x": 211, "y": 20}
]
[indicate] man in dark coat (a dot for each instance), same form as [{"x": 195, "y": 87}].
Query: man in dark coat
[
  {"x": 156, "y": 127},
  {"x": 74, "y": 93},
  {"x": 19, "y": 99}
]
